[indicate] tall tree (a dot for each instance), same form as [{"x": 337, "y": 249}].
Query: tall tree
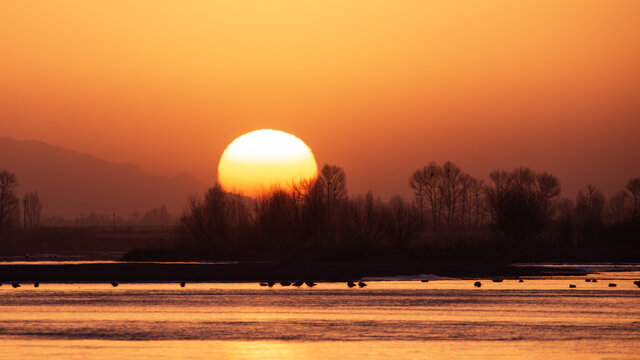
[
  {"x": 210, "y": 220},
  {"x": 401, "y": 221},
  {"x": 476, "y": 190},
  {"x": 426, "y": 184},
  {"x": 590, "y": 206},
  {"x": 417, "y": 184},
  {"x": 31, "y": 210},
  {"x": 451, "y": 186},
  {"x": 445, "y": 191},
  {"x": 365, "y": 220},
  {"x": 618, "y": 206},
  {"x": 522, "y": 200},
  {"x": 633, "y": 187},
  {"x": 9, "y": 202},
  {"x": 333, "y": 182}
]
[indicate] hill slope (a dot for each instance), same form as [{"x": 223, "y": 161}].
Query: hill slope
[{"x": 70, "y": 183}]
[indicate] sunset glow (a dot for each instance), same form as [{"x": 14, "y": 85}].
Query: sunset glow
[
  {"x": 263, "y": 159},
  {"x": 409, "y": 80},
  {"x": 473, "y": 188}
]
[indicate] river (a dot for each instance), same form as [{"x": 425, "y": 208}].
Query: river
[{"x": 446, "y": 319}]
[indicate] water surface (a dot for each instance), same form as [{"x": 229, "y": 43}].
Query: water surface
[{"x": 539, "y": 318}]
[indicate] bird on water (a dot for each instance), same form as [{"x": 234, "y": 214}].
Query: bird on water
[
  {"x": 350, "y": 284},
  {"x": 362, "y": 284},
  {"x": 477, "y": 284}
]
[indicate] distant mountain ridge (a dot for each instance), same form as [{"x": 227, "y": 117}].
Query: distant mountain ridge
[{"x": 70, "y": 183}]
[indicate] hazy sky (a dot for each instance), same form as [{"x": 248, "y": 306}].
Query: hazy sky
[{"x": 378, "y": 87}]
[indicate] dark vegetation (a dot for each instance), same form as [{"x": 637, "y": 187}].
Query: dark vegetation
[
  {"x": 26, "y": 234},
  {"x": 516, "y": 215}
]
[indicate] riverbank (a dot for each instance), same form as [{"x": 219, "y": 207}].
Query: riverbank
[{"x": 264, "y": 271}]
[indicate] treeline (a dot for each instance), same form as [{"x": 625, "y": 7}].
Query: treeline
[
  {"x": 314, "y": 217},
  {"x": 514, "y": 213},
  {"x": 26, "y": 213},
  {"x": 518, "y": 214},
  {"x": 13, "y": 211},
  {"x": 157, "y": 216}
]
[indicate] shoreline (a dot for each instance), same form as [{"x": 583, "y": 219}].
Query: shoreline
[{"x": 133, "y": 272}]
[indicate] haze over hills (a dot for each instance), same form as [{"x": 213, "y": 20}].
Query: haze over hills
[{"x": 71, "y": 184}]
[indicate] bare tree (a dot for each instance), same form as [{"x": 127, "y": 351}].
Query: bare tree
[
  {"x": 333, "y": 182},
  {"x": 476, "y": 190},
  {"x": 618, "y": 206},
  {"x": 548, "y": 192},
  {"x": 401, "y": 221},
  {"x": 417, "y": 184},
  {"x": 31, "y": 210},
  {"x": 522, "y": 200},
  {"x": 633, "y": 187},
  {"x": 313, "y": 223},
  {"x": 451, "y": 187},
  {"x": 590, "y": 206},
  {"x": 212, "y": 219},
  {"x": 426, "y": 183},
  {"x": 365, "y": 219},
  {"x": 447, "y": 192},
  {"x": 275, "y": 214},
  {"x": 9, "y": 202},
  {"x": 566, "y": 220}
]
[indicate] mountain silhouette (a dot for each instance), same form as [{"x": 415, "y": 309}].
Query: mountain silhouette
[{"x": 70, "y": 183}]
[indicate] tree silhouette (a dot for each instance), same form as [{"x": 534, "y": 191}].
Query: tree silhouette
[
  {"x": 31, "y": 210},
  {"x": 156, "y": 216},
  {"x": 522, "y": 200},
  {"x": 333, "y": 182},
  {"x": 212, "y": 219},
  {"x": 365, "y": 220},
  {"x": 633, "y": 187},
  {"x": 9, "y": 202},
  {"x": 402, "y": 220},
  {"x": 449, "y": 194},
  {"x": 618, "y": 206},
  {"x": 451, "y": 188},
  {"x": 417, "y": 184},
  {"x": 590, "y": 206},
  {"x": 589, "y": 213}
]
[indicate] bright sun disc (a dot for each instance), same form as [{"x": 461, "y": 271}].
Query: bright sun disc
[{"x": 261, "y": 160}]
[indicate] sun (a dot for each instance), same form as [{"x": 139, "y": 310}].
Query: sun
[{"x": 265, "y": 159}]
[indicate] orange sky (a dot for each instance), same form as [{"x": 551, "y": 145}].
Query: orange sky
[{"x": 378, "y": 87}]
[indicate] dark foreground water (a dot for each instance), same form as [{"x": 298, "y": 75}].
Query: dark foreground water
[{"x": 450, "y": 319}]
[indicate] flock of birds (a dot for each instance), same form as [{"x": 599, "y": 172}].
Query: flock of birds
[
  {"x": 309, "y": 283},
  {"x": 571, "y": 286},
  {"x": 350, "y": 284}
]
